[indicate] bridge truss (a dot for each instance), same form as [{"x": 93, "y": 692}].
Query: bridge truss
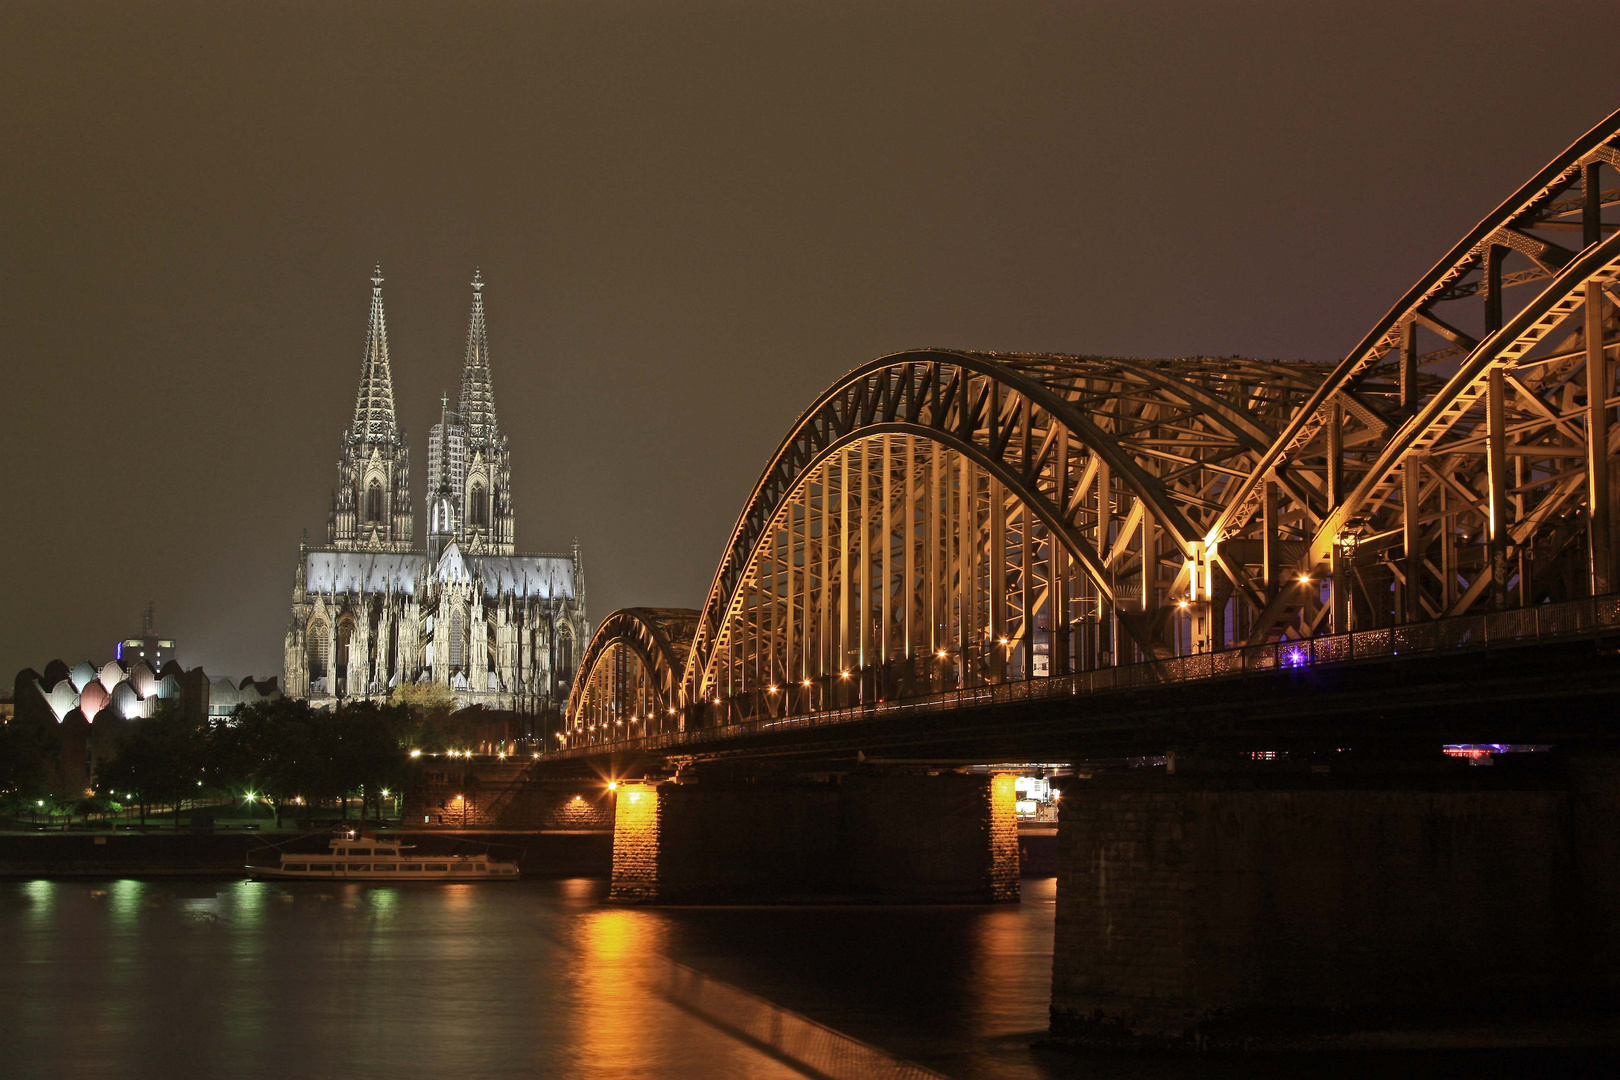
[{"x": 939, "y": 520}]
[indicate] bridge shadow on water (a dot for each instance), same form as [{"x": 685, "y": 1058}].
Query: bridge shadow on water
[
  {"x": 205, "y": 978},
  {"x": 963, "y": 992}
]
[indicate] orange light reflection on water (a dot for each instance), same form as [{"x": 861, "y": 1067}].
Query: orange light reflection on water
[{"x": 622, "y": 1020}]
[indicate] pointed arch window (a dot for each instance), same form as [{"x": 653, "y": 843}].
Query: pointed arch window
[
  {"x": 478, "y": 511},
  {"x": 374, "y": 501},
  {"x": 565, "y": 656},
  {"x": 318, "y": 649},
  {"x": 456, "y": 632},
  {"x": 345, "y": 631}
]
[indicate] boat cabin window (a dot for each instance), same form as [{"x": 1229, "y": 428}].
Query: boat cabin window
[
  {"x": 383, "y": 866},
  {"x": 386, "y": 851},
  {"x": 359, "y": 851},
  {"x": 410, "y": 866},
  {"x": 480, "y": 866},
  {"x": 436, "y": 866},
  {"x": 296, "y": 866},
  {"x": 359, "y": 866}
]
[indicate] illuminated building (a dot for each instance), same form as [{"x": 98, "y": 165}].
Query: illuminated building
[
  {"x": 371, "y": 611},
  {"x": 149, "y": 647},
  {"x": 87, "y": 705}
]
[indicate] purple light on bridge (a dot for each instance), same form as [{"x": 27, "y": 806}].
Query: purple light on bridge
[{"x": 1295, "y": 657}]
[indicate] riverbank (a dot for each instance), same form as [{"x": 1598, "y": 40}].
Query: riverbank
[{"x": 551, "y": 853}]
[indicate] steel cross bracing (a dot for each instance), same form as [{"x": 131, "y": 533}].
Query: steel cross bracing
[
  {"x": 628, "y": 682},
  {"x": 940, "y": 520},
  {"x": 1446, "y": 460}
]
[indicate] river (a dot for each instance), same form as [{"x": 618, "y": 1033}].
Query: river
[{"x": 217, "y": 978}]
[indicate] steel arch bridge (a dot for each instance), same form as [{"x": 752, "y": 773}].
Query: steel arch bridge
[{"x": 941, "y": 519}]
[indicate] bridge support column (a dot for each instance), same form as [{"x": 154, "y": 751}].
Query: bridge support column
[
  {"x": 636, "y": 836},
  {"x": 895, "y": 838},
  {"x": 1294, "y": 908}
]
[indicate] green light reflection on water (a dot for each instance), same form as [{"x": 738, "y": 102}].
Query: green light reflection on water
[
  {"x": 247, "y": 902},
  {"x": 125, "y": 902},
  {"x": 383, "y": 902},
  {"x": 41, "y": 895}
]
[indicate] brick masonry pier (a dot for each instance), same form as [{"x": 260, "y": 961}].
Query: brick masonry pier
[
  {"x": 452, "y": 793},
  {"x": 1278, "y": 906},
  {"x": 900, "y": 838}
]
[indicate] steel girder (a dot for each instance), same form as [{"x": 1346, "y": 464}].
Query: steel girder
[
  {"x": 630, "y": 674},
  {"x": 1013, "y": 515},
  {"x": 1446, "y": 460},
  {"x": 1106, "y": 457}
]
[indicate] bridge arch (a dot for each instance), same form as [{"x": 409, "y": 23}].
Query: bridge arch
[
  {"x": 980, "y": 501},
  {"x": 628, "y": 681},
  {"x": 938, "y": 519},
  {"x": 1445, "y": 463}
]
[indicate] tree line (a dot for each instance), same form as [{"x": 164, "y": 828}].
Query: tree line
[{"x": 280, "y": 752}]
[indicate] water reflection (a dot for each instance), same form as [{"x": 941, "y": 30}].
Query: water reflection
[
  {"x": 1012, "y": 965},
  {"x": 124, "y": 904},
  {"x": 619, "y": 1017},
  {"x": 228, "y": 978}
]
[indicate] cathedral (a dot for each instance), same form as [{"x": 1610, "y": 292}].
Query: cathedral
[{"x": 371, "y": 610}]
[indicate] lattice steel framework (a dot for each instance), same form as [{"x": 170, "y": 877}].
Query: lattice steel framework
[
  {"x": 1459, "y": 454},
  {"x": 628, "y": 682},
  {"x": 941, "y": 519}
]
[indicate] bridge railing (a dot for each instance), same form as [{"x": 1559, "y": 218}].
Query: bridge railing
[{"x": 1497, "y": 629}]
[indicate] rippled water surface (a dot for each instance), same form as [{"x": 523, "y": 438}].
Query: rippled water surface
[{"x": 243, "y": 979}]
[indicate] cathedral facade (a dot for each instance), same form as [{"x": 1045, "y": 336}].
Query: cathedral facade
[{"x": 372, "y": 611}]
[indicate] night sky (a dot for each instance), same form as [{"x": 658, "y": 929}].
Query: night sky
[{"x": 692, "y": 217}]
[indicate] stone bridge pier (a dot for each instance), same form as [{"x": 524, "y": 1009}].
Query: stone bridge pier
[
  {"x": 947, "y": 837},
  {"x": 1292, "y": 905}
]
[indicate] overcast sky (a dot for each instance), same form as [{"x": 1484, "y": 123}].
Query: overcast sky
[{"x": 692, "y": 217}]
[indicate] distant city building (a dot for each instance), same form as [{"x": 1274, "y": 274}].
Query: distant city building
[
  {"x": 154, "y": 650},
  {"x": 371, "y": 611},
  {"x": 88, "y": 704}
]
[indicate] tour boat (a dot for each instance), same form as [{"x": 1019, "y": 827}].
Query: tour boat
[{"x": 367, "y": 858}]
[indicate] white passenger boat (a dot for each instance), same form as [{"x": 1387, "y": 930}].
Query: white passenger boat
[{"x": 366, "y": 858}]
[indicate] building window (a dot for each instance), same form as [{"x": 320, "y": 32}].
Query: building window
[
  {"x": 455, "y": 640},
  {"x": 565, "y": 655},
  {"x": 344, "y": 632},
  {"x": 319, "y": 646},
  {"x": 374, "y": 501},
  {"x": 478, "y": 510}
]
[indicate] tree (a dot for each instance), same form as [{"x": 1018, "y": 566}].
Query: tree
[
  {"x": 275, "y": 749},
  {"x": 27, "y": 746},
  {"x": 429, "y": 706},
  {"x": 365, "y": 747},
  {"x": 160, "y": 760}
]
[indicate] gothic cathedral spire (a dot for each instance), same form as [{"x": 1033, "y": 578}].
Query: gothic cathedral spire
[
  {"x": 485, "y": 515},
  {"x": 477, "y": 399},
  {"x": 371, "y": 507},
  {"x": 374, "y": 419}
]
